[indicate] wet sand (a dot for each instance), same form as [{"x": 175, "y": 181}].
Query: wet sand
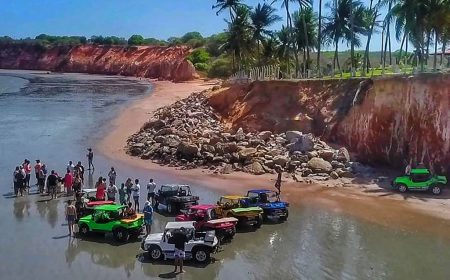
[{"x": 364, "y": 199}]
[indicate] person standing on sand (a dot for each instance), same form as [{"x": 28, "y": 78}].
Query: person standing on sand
[
  {"x": 27, "y": 169},
  {"x": 52, "y": 182},
  {"x": 42, "y": 177},
  {"x": 148, "y": 216},
  {"x": 90, "y": 157},
  {"x": 77, "y": 183},
  {"x": 18, "y": 180},
  {"x": 68, "y": 182},
  {"x": 70, "y": 166},
  {"x": 151, "y": 190},
  {"x": 136, "y": 194},
  {"x": 37, "y": 168},
  {"x": 112, "y": 176},
  {"x": 71, "y": 216},
  {"x": 179, "y": 238},
  {"x": 122, "y": 194},
  {"x": 111, "y": 192},
  {"x": 101, "y": 188},
  {"x": 80, "y": 169},
  {"x": 129, "y": 186}
]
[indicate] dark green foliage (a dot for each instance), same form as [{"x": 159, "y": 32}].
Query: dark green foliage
[
  {"x": 111, "y": 40},
  {"x": 199, "y": 56},
  {"x": 220, "y": 68},
  {"x": 136, "y": 40}
]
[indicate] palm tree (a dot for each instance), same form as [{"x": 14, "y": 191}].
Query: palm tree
[
  {"x": 319, "y": 39},
  {"x": 305, "y": 22},
  {"x": 262, "y": 17},
  {"x": 231, "y": 5},
  {"x": 239, "y": 35},
  {"x": 338, "y": 27},
  {"x": 373, "y": 14},
  {"x": 304, "y": 4},
  {"x": 285, "y": 5},
  {"x": 284, "y": 48}
]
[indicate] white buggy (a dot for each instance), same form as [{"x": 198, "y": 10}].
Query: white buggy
[{"x": 199, "y": 247}]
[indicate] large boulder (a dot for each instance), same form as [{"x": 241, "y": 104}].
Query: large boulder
[
  {"x": 319, "y": 165},
  {"x": 247, "y": 153},
  {"x": 187, "y": 149},
  {"x": 240, "y": 136},
  {"x": 326, "y": 154},
  {"x": 343, "y": 155},
  {"x": 137, "y": 149},
  {"x": 265, "y": 135},
  {"x": 254, "y": 168},
  {"x": 280, "y": 160},
  {"x": 154, "y": 123},
  {"x": 304, "y": 143},
  {"x": 292, "y": 135}
]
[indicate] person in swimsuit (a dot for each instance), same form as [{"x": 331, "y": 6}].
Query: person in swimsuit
[{"x": 71, "y": 216}]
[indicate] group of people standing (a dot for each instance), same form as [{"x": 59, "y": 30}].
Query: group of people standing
[{"x": 72, "y": 180}]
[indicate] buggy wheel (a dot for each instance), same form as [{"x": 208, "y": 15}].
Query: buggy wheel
[
  {"x": 121, "y": 234},
  {"x": 285, "y": 217},
  {"x": 83, "y": 230},
  {"x": 170, "y": 208},
  {"x": 155, "y": 253},
  {"x": 402, "y": 188},
  {"x": 436, "y": 190},
  {"x": 259, "y": 221},
  {"x": 201, "y": 255}
]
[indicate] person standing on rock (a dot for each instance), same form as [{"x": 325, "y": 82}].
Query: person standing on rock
[{"x": 90, "y": 157}]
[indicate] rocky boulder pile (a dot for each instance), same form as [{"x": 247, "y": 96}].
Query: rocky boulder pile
[{"x": 188, "y": 134}]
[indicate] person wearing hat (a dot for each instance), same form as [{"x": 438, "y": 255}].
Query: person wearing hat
[
  {"x": 90, "y": 157},
  {"x": 37, "y": 168},
  {"x": 148, "y": 216}
]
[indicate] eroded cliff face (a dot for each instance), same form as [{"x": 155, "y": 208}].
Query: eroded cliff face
[
  {"x": 166, "y": 63},
  {"x": 386, "y": 120}
]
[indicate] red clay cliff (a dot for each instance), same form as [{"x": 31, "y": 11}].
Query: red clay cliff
[
  {"x": 165, "y": 63},
  {"x": 384, "y": 120}
]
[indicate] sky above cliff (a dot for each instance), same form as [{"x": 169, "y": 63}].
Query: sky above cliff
[{"x": 150, "y": 18}]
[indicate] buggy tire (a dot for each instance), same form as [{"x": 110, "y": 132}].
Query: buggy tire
[
  {"x": 402, "y": 188},
  {"x": 83, "y": 230},
  {"x": 284, "y": 218},
  {"x": 121, "y": 234},
  {"x": 155, "y": 253},
  {"x": 201, "y": 254},
  {"x": 170, "y": 208},
  {"x": 259, "y": 222},
  {"x": 436, "y": 190}
]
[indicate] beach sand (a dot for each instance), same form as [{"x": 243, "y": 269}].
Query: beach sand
[{"x": 368, "y": 201}]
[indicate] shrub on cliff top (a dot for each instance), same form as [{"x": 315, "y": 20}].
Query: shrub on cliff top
[
  {"x": 199, "y": 56},
  {"x": 220, "y": 68},
  {"x": 136, "y": 40}
]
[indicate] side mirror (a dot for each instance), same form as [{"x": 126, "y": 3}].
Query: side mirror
[{"x": 218, "y": 202}]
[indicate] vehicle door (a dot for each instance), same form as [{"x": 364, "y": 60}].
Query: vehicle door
[
  {"x": 102, "y": 221},
  {"x": 167, "y": 246},
  {"x": 419, "y": 181}
]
